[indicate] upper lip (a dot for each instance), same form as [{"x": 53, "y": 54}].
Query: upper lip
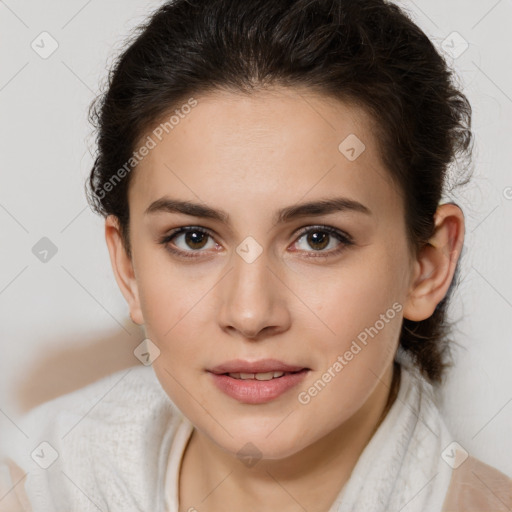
[{"x": 261, "y": 366}]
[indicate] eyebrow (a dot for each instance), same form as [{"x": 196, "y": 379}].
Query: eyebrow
[{"x": 312, "y": 208}]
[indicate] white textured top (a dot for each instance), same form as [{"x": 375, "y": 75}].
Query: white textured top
[{"x": 105, "y": 446}]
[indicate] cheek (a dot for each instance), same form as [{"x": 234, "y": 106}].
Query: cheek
[
  {"x": 173, "y": 316},
  {"x": 350, "y": 297},
  {"x": 167, "y": 290},
  {"x": 366, "y": 320},
  {"x": 176, "y": 305},
  {"x": 361, "y": 305}
]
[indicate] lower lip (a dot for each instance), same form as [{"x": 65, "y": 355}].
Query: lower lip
[{"x": 252, "y": 391}]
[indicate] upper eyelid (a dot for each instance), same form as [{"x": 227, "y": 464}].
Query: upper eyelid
[{"x": 330, "y": 229}]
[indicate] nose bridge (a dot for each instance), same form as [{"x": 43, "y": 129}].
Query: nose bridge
[{"x": 253, "y": 298}]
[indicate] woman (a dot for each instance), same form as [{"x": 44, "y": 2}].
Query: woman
[{"x": 271, "y": 176}]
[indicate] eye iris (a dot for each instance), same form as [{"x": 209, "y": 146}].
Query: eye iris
[
  {"x": 191, "y": 239},
  {"x": 322, "y": 239}
]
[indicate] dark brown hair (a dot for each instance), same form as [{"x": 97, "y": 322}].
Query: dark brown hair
[{"x": 366, "y": 52}]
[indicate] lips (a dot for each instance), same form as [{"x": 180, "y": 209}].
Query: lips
[
  {"x": 256, "y": 391},
  {"x": 257, "y": 382},
  {"x": 261, "y": 366}
]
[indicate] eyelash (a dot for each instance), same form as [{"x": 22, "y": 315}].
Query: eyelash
[{"x": 345, "y": 239}]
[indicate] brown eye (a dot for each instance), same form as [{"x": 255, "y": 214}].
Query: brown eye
[
  {"x": 187, "y": 241},
  {"x": 195, "y": 239},
  {"x": 319, "y": 238}
]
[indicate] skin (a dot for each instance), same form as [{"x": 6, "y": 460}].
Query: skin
[{"x": 251, "y": 156}]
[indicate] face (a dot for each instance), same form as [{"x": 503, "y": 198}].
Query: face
[{"x": 319, "y": 288}]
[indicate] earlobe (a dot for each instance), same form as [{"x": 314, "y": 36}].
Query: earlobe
[
  {"x": 122, "y": 267},
  {"x": 436, "y": 263}
]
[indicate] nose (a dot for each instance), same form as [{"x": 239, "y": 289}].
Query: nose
[{"x": 254, "y": 300}]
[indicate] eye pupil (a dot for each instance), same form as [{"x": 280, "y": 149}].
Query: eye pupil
[{"x": 323, "y": 239}]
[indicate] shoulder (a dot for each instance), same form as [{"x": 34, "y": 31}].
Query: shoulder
[
  {"x": 99, "y": 436},
  {"x": 475, "y": 486},
  {"x": 118, "y": 402}
]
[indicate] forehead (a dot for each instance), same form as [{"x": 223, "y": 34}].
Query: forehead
[{"x": 273, "y": 145}]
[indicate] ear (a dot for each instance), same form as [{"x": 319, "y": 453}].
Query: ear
[
  {"x": 436, "y": 263},
  {"x": 122, "y": 266}
]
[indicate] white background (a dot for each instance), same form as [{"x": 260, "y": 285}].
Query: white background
[{"x": 64, "y": 323}]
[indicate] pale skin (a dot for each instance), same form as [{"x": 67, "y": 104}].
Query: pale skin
[{"x": 251, "y": 156}]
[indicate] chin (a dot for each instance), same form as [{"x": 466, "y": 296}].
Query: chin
[{"x": 256, "y": 442}]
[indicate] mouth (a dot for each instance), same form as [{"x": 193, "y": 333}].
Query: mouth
[
  {"x": 262, "y": 376},
  {"x": 258, "y": 382}
]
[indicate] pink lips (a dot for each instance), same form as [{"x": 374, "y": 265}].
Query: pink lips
[{"x": 252, "y": 391}]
